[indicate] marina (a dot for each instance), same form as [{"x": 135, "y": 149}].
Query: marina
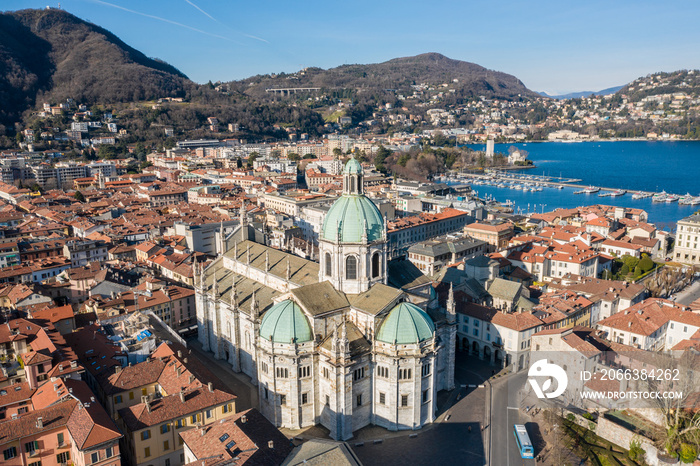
[{"x": 614, "y": 167}]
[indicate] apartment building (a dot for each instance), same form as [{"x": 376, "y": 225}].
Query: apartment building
[
  {"x": 686, "y": 249},
  {"x": 495, "y": 235},
  {"x": 405, "y": 231},
  {"x": 86, "y": 252},
  {"x": 432, "y": 255}
]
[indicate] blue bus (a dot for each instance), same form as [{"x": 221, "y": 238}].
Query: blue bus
[{"x": 523, "y": 441}]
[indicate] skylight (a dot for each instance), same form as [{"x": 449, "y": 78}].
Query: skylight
[{"x": 223, "y": 438}]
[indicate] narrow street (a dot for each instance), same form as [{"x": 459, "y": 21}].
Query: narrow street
[{"x": 239, "y": 384}]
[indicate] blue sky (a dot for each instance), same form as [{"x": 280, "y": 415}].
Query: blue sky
[{"x": 553, "y": 46}]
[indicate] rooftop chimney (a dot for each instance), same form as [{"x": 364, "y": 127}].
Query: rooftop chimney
[
  {"x": 39, "y": 423},
  {"x": 117, "y": 369},
  {"x": 184, "y": 361},
  {"x": 270, "y": 444},
  {"x": 210, "y": 386},
  {"x": 182, "y": 396},
  {"x": 179, "y": 353},
  {"x": 244, "y": 419}
]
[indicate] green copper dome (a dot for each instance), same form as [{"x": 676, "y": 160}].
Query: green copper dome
[
  {"x": 406, "y": 324},
  {"x": 285, "y": 323},
  {"x": 352, "y": 167},
  {"x": 347, "y": 217}
]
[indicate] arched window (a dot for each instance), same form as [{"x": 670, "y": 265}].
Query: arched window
[
  {"x": 329, "y": 264},
  {"x": 375, "y": 265},
  {"x": 352, "y": 185},
  {"x": 351, "y": 268}
]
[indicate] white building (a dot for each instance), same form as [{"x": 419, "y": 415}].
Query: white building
[
  {"x": 329, "y": 343},
  {"x": 654, "y": 324},
  {"x": 686, "y": 250},
  {"x": 501, "y": 337}
]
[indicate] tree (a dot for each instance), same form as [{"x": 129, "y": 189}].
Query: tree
[
  {"x": 79, "y": 196},
  {"x": 646, "y": 264},
  {"x": 107, "y": 151},
  {"x": 252, "y": 157},
  {"x": 636, "y": 452},
  {"x": 688, "y": 453},
  {"x": 293, "y": 156},
  {"x": 337, "y": 151},
  {"x": 380, "y": 158},
  {"x": 625, "y": 270}
]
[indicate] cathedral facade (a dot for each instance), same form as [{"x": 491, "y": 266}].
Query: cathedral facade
[{"x": 346, "y": 342}]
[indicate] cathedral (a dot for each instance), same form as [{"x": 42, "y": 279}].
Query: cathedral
[{"x": 349, "y": 341}]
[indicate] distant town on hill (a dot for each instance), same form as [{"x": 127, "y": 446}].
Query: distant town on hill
[{"x": 60, "y": 69}]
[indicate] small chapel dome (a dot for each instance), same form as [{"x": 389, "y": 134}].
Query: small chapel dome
[
  {"x": 406, "y": 324},
  {"x": 285, "y": 323}
]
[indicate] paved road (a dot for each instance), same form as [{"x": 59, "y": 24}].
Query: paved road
[
  {"x": 507, "y": 411},
  {"x": 239, "y": 384},
  {"x": 689, "y": 294}
]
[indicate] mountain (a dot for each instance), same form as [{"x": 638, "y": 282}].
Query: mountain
[
  {"x": 50, "y": 55},
  {"x": 575, "y": 95},
  {"x": 399, "y": 74}
]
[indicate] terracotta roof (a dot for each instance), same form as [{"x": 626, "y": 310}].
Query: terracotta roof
[
  {"x": 34, "y": 357},
  {"x": 90, "y": 426},
  {"x": 15, "y": 393},
  {"x": 171, "y": 407},
  {"x": 53, "y": 417},
  {"x": 621, "y": 244},
  {"x": 647, "y": 317},
  {"x": 501, "y": 227},
  {"x": 245, "y": 436},
  {"x": 54, "y": 314},
  {"x": 519, "y": 321},
  {"x": 138, "y": 375}
]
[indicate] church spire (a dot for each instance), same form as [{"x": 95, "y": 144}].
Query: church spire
[
  {"x": 253, "y": 306},
  {"x": 215, "y": 287},
  {"x": 244, "y": 222},
  {"x": 344, "y": 342},
  {"x": 289, "y": 273},
  {"x": 234, "y": 294},
  {"x": 222, "y": 248},
  {"x": 450, "y": 305}
]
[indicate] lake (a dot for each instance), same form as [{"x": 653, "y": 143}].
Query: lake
[{"x": 673, "y": 166}]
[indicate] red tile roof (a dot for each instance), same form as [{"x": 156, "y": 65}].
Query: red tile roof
[{"x": 247, "y": 436}]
